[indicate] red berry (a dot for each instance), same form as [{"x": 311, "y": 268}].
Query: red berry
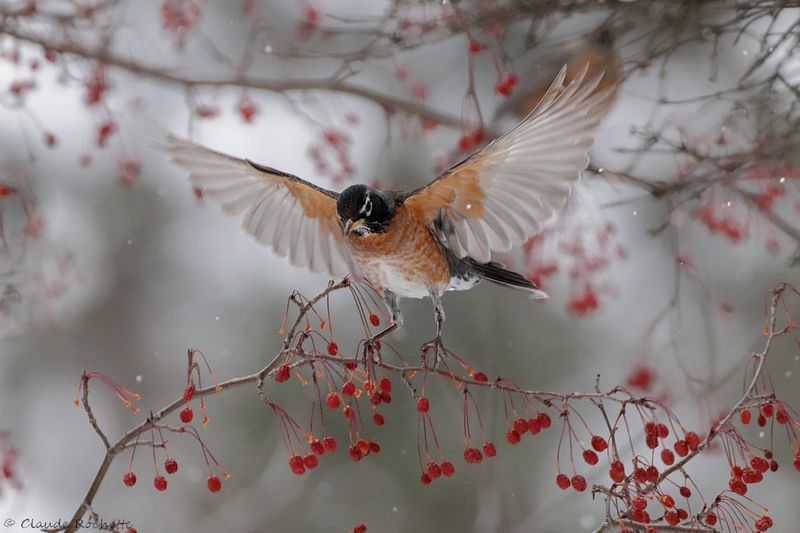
[
  {"x": 283, "y": 373},
  {"x": 333, "y": 400},
  {"x": 297, "y": 465},
  {"x": 666, "y": 500},
  {"x": 375, "y": 397},
  {"x": 711, "y": 519},
  {"x": 465, "y": 143},
  {"x": 355, "y": 453},
  {"x": 672, "y": 518},
  {"x": 751, "y": 475},
  {"x": 329, "y": 443},
  {"x": 160, "y": 483},
  {"x": 365, "y": 446},
  {"x": 480, "y": 376},
  {"x": 489, "y": 450},
  {"x": 171, "y": 466},
  {"x": 186, "y": 414},
  {"x": 317, "y": 447},
  {"x": 423, "y": 405},
  {"x": 681, "y": 448},
  {"x": 385, "y": 385},
  {"x": 349, "y": 412},
  {"x": 737, "y": 485},
  {"x": 651, "y": 474},
  {"x": 562, "y": 480},
  {"x": 520, "y": 425},
  {"x": 736, "y": 471},
  {"x": 188, "y": 393},
  {"x": 578, "y": 483},
  {"x": 663, "y": 431},
  {"x": 360, "y": 528},
  {"x": 247, "y": 109},
  {"x": 310, "y": 461},
  {"x": 599, "y": 443},
  {"x": 763, "y": 523},
  {"x": 474, "y": 47},
  {"x": 617, "y": 472},
  {"x": 692, "y": 440},
  {"x": 761, "y": 421},
  {"x": 349, "y": 388},
  {"x": 447, "y": 469},
  {"x": 534, "y": 426},
  {"x": 433, "y": 470},
  {"x": 213, "y": 483},
  {"x": 129, "y": 478},
  {"x": 667, "y": 457},
  {"x": 639, "y": 503},
  {"x": 767, "y": 410},
  {"x": 682, "y": 514},
  {"x": 473, "y": 455},
  {"x": 374, "y": 320},
  {"x": 759, "y": 464},
  {"x": 544, "y": 420},
  {"x": 502, "y": 88},
  {"x": 425, "y": 479},
  {"x": 745, "y": 416},
  {"x": 333, "y": 348},
  {"x": 685, "y": 492},
  {"x": 651, "y": 439},
  {"x": 377, "y": 418},
  {"x": 512, "y": 436},
  {"x": 590, "y": 457}
]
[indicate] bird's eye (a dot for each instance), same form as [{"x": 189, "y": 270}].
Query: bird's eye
[{"x": 366, "y": 209}]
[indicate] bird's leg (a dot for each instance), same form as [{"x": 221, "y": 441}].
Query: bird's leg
[
  {"x": 436, "y": 343},
  {"x": 391, "y": 302}
]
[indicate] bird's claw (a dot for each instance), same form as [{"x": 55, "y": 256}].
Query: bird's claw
[{"x": 437, "y": 347}]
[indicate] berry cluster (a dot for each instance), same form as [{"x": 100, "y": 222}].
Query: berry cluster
[{"x": 582, "y": 248}]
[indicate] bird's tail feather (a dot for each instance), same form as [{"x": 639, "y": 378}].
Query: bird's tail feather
[{"x": 496, "y": 273}]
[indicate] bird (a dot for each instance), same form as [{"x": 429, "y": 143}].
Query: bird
[{"x": 438, "y": 237}]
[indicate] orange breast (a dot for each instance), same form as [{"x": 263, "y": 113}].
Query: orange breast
[{"x": 406, "y": 259}]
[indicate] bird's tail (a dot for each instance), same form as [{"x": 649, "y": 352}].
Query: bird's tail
[{"x": 496, "y": 273}]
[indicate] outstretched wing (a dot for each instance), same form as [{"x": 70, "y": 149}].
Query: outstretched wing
[
  {"x": 294, "y": 217},
  {"x": 503, "y": 194}
]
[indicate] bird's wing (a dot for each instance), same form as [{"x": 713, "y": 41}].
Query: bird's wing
[
  {"x": 503, "y": 194},
  {"x": 294, "y": 217}
]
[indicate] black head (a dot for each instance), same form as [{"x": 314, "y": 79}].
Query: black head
[{"x": 363, "y": 210}]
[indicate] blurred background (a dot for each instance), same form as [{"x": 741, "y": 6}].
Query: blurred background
[{"x": 658, "y": 269}]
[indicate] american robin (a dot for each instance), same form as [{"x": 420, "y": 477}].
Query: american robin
[{"x": 438, "y": 237}]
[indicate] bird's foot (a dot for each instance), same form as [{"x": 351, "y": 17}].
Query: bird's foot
[{"x": 432, "y": 352}]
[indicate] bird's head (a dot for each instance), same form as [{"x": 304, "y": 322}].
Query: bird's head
[{"x": 363, "y": 210}]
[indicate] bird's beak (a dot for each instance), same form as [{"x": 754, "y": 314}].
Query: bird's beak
[{"x": 352, "y": 225}]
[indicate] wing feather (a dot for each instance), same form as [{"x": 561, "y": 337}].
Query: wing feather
[
  {"x": 294, "y": 217},
  {"x": 503, "y": 194}
]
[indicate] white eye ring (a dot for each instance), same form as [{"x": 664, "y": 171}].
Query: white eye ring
[{"x": 366, "y": 209}]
